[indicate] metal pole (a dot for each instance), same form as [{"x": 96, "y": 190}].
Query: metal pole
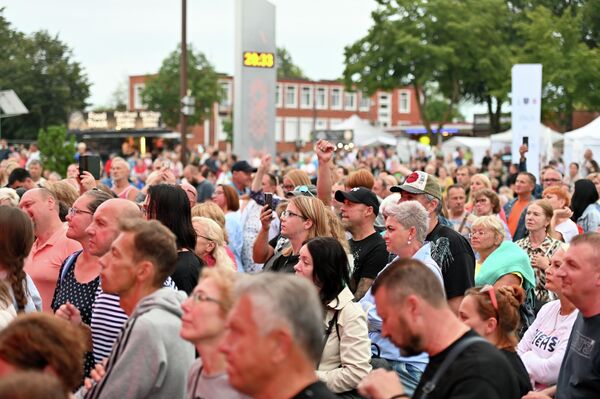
[{"x": 183, "y": 80}]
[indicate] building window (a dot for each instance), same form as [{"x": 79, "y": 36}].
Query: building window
[
  {"x": 365, "y": 102},
  {"x": 306, "y": 100},
  {"x": 349, "y": 101},
  {"x": 291, "y": 129},
  {"x": 278, "y": 130},
  {"x": 336, "y": 98},
  {"x": 225, "y": 94},
  {"x": 278, "y": 103},
  {"x": 321, "y": 98},
  {"x": 290, "y": 97},
  {"x": 306, "y": 126},
  {"x": 137, "y": 96},
  {"x": 404, "y": 101},
  {"x": 383, "y": 110}
]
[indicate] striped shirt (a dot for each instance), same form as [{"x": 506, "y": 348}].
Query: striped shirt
[{"x": 108, "y": 319}]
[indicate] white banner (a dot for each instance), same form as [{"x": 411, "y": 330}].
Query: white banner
[{"x": 526, "y": 110}]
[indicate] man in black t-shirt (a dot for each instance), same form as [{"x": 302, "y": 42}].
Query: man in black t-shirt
[
  {"x": 416, "y": 317},
  {"x": 360, "y": 208},
  {"x": 449, "y": 249}
]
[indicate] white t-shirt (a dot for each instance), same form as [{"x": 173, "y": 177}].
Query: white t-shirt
[
  {"x": 544, "y": 344},
  {"x": 568, "y": 229}
]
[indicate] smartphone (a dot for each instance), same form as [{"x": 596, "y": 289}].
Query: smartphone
[
  {"x": 526, "y": 140},
  {"x": 269, "y": 200},
  {"x": 90, "y": 163}
]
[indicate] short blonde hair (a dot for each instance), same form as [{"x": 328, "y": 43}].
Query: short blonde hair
[
  {"x": 212, "y": 211},
  {"x": 225, "y": 282},
  {"x": 10, "y": 195},
  {"x": 490, "y": 222}
]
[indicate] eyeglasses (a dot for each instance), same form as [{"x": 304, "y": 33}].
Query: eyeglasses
[
  {"x": 202, "y": 297},
  {"x": 304, "y": 190},
  {"x": 286, "y": 214},
  {"x": 205, "y": 237},
  {"x": 75, "y": 211},
  {"x": 478, "y": 233},
  {"x": 490, "y": 290},
  {"x": 551, "y": 180}
]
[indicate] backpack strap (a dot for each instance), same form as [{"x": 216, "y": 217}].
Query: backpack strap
[
  {"x": 69, "y": 263},
  {"x": 430, "y": 385}
]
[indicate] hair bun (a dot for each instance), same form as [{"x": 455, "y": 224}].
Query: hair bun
[{"x": 514, "y": 294}]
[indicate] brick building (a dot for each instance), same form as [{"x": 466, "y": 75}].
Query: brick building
[{"x": 302, "y": 106}]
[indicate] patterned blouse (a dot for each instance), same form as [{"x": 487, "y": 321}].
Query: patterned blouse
[{"x": 548, "y": 247}]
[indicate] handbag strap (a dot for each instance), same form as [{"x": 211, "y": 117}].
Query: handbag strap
[
  {"x": 430, "y": 385},
  {"x": 332, "y": 322}
]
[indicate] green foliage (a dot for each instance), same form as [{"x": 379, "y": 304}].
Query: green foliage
[
  {"x": 228, "y": 128},
  {"x": 571, "y": 69},
  {"x": 162, "y": 91},
  {"x": 57, "y": 151},
  {"x": 436, "y": 110},
  {"x": 286, "y": 67},
  {"x": 40, "y": 69}
]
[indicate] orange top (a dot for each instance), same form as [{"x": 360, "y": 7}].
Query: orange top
[
  {"x": 44, "y": 261},
  {"x": 515, "y": 214}
]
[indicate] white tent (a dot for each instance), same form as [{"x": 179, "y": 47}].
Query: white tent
[
  {"x": 477, "y": 145},
  {"x": 578, "y": 140},
  {"x": 364, "y": 133},
  {"x": 547, "y": 138}
]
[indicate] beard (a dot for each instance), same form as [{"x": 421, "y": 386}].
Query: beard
[{"x": 413, "y": 347}]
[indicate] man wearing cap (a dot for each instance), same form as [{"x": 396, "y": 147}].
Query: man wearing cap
[
  {"x": 360, "y": 208},
  {"x": 449, "y": 249},
  {"x": 241, "y": 177}
]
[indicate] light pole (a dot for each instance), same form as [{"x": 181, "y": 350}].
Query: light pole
[{"x": 183, "y": 81}]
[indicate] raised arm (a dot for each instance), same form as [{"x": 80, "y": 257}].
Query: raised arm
[{"x": 324, "y": 150}]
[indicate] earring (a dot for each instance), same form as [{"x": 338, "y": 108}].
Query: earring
[{"x": 408, "y": 242}]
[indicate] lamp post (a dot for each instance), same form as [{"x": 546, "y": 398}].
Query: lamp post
[{"x": 183, "y": 81}]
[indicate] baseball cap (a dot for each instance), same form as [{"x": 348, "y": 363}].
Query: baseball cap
[
  {"x": 243, "y": 166},
  {"x": 419, "y": 182},
  {"x": 359, "y": 195},
  {"x": 299, "y": 191}
]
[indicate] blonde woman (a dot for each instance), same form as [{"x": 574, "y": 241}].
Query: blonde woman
[
  {"x": 293, "y": 179},
  {"x": 478, "y": 182},
  {"x": 210, "y": 244},
  {"x": 304, "y": 218}
]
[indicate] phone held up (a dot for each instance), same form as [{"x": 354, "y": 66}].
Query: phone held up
[
  {"x": 269, "y": 200},
  {"x": 90, "y": 163}
]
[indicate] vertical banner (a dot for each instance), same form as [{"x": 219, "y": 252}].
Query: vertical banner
[
  {"x": 526, "y": 111},
  {"x": 255, "y": 79}
]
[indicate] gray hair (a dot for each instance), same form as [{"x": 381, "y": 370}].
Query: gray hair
[
  {"x": 389, "y": 201},
  {"x": 9, "y": 194},
  {"x": 281, "y": 298},
  {"x": 409, "y": 214}
]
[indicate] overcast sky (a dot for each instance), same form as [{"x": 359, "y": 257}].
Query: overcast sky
[{"x": 113, "y": 39}]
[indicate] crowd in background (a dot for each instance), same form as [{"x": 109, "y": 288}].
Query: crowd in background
[{"x": 175, "y": 278}]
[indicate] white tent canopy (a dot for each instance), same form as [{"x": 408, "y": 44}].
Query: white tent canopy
[
  {"x": 477, "y": 146},
  {"x": 547, "y": 138},
  {"x": 364, "y": 133},
  {"x": 578, "y": 140}
]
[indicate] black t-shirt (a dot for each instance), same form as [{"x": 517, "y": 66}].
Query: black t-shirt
[
  {"x": 479, "y": 371},
  {"x": 579, "y": 375},
  {"x": 281, "y": 263},
  {"x": 453, "y": 253},
  {"x": 370, "y": 256},
  {"x": 316, "y": 390},
  {"x": 187, "y": 270},
  {"x": 520, "y": 371}
]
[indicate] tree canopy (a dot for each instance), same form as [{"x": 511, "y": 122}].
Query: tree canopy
[
  {"x": 41, "y": 70},
  {"x": 286, "y": 67},
  {"x": 162, "y": 90},
  {"x": 465, "y": 50}
]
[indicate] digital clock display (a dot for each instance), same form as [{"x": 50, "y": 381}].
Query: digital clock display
[{"x": 259, "y": 60}]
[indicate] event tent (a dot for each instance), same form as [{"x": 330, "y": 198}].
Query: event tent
[
  {"x": 477, "y": 146},
  {"x": 548, "y": 138},
  {"x": 364, "y": 133},
  {"x": 578, "y": 140}
]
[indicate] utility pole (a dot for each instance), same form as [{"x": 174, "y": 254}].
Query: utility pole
[{"x": 183, "y": 81}]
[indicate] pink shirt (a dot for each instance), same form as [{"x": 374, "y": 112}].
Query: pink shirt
[{"x": 44, "y": 261}]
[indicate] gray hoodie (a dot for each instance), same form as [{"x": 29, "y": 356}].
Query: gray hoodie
[{"x": 149, "y": 359}]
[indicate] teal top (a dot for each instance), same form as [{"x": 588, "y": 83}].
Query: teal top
[{"x": 506, "y": 259}]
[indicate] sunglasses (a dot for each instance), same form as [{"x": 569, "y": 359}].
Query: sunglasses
[{"x": 304, "y": 190}]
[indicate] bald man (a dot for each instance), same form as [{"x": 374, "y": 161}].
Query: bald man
[
  {"x": 121, "y": 186},
  {"x": 51, "y": 246}
]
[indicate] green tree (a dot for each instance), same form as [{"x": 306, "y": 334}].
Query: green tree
[
  {"x": 408, "y": 46},
  {"x": 41, "y": 70},
  {"x": 162, "y": 90},
  {"x": 57, "y": 151},
  {"x": 571, "y": 69},
  {"x": 286, "y": 67}
]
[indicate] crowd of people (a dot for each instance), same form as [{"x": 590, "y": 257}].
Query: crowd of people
[{"x": 323, "y": 275}]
